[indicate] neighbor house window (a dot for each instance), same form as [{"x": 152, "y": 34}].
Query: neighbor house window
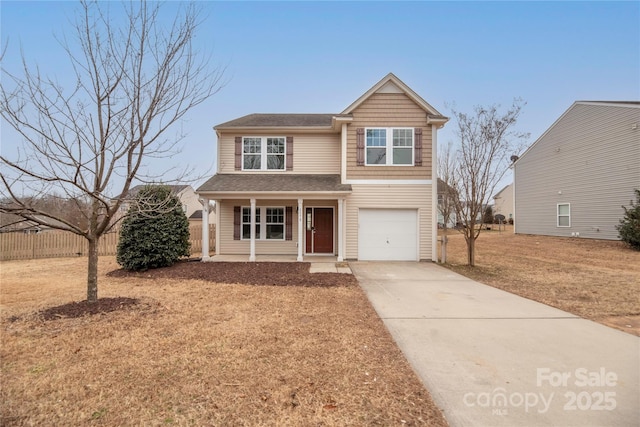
[
  {"x": 389, "y": 146},
  {"x": 263, "y": 153},
  {"x": 270, "y": 223},
  {"x": 564, "y": 215}
]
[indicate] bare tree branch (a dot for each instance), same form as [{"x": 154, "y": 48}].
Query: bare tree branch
[
  {"x": 132, "y": 84},
  {"x": 487, "y": 140}
]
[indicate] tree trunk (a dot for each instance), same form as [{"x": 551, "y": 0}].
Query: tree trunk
[
  {"x": 471, "y": 251},
  {"x": 92, "y": 271}
]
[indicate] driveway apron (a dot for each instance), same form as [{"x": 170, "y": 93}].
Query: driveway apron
[{"x": 491, "y": 358}]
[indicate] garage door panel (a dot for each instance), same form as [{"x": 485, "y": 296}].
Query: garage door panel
[{"x": 387, "y": 234}]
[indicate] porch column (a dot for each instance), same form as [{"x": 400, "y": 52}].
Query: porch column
[
  {"x": 300, "y": 229},
  {"x": 205, "y": 228},
  {"x": 252, "y": 246},
  {"x": 216, "y": 247},
  {"x": 340, "y": 227}
]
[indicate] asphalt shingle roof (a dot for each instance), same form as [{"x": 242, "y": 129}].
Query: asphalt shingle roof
[
  {"x": 273, "y": 182},
  {"x": 279, "y": 120}
]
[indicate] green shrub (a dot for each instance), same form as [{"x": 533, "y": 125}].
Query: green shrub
[
  {"x": 629, "y": 227},
  {"x": 155, "y": 231}
]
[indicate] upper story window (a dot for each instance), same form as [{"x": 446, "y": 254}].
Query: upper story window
[
  {"x": 389, "y": 146},
  {"x": 263, "y": 153}
]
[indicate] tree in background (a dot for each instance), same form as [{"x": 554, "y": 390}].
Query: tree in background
[
  {"x": 487, "y": 216},
  {"x": 132, "y": 82},
  {"x": 155, "y": 230},
  {"x": 486, "y": 141},
  {"x": 629, "y": 227}
]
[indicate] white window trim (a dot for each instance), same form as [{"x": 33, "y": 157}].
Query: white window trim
[
  {"x": 264, "y": 154},
  {"x": 389, "y": 147},
  {"x": 262, "y": 211},
  {"x": 567, "y": 215}
]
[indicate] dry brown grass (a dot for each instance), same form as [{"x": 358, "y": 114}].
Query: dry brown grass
[
  {"x": 199, "y": 353},
  {"x": 594, "y": 279}
]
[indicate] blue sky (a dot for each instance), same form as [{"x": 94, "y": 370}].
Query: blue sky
[{"x": 320, "y": 56}]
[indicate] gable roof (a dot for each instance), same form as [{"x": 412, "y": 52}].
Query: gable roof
[
  {"x": 594, "y": 104},
  {"x": 389, "y": 84},
  {"x": 392, "y": 84}
]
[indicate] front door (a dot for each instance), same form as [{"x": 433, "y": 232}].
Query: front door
[{"x": 319, "y": 227}]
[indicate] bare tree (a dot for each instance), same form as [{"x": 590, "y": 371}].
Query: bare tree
[
  {"x": 132, "y": 83},
  {"x": 487, "y": 140}
]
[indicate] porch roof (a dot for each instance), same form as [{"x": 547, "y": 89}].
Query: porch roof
[{"x": 274, "y": 183}]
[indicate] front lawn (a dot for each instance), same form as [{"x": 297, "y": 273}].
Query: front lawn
[
  {"x": 197, "y": 352},
  {"x": 594, "y": 279}
]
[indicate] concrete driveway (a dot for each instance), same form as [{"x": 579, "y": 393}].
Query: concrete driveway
[{"x": 491, "y": 358}]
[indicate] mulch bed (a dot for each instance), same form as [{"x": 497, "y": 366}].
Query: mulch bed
[
  {"x": 248, "y": 273},
  {"x": 85, "y": 308}
]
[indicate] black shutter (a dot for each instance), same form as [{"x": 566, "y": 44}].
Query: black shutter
[
  {"x": 238, "y": 165},
  {"x": 289, "y": 223},
  {"x": 289, "y": 159},
  {"x": 237, "y": 223},
  {"x": 418, "y": 147},
  {"x": 360, "y": 147}
]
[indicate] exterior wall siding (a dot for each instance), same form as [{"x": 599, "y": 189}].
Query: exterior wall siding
[
  {"x": 312, "y": 154},
  {"x": 504, "y": 202},
  {"x": 591, "y": 159},
  {"x": 389, "y": 196},
  {"x": 229, "y": 246},
  {"x": 389, "y": 110}
]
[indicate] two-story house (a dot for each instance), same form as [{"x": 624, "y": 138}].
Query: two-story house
[{"x": 359, "y": 184}]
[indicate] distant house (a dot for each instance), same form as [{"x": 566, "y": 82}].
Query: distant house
[
  {"x": 190, "y": 202},
  {"x": 574, "y": 179},
  {"x": 445, "y": 190},
  {"x": 16, "y": 224},
  {"x": 503, "y": 202}
]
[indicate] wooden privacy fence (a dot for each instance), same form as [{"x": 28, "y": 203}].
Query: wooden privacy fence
[{"x": 55, "y": 244}]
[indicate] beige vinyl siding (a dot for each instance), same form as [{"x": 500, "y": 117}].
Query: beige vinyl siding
[
  {"x": 389, "y": 196},
  {"x": 589, "y": 158},
  {"x": 228, "y": 246},
  {"x": 312, "y": 154},
  {"x": 389, "y": 110},
  {"x": 504, "y": 202}
]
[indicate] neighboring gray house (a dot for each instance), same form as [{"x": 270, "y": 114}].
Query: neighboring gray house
[
  {"x": 503, "y": 202},
  {"x": 574, "y": 179}
]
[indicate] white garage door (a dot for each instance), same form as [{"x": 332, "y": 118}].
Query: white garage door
[{"x": 387, "y": 234}]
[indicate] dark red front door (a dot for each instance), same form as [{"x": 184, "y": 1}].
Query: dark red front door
[{"x": 319, "y": 230}]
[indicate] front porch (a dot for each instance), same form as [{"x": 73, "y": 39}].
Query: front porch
[{"x": 277, "y": 217}]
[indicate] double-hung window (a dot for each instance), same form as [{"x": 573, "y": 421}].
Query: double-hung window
[
  {"x": 263, "y": 153},
  {"x": 270, "y": 223},
  {"x": 389, "y": 146},
  {"x": 564, "y": 215}
]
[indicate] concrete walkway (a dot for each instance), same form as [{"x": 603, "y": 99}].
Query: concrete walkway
[{"x": 491, "y": 358}]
